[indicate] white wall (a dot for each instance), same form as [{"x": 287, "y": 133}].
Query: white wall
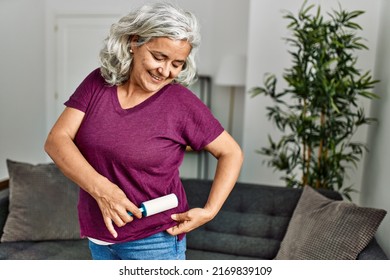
[
  {"x": 375, "y": 188},
  {"x": 22, "y": 80}
]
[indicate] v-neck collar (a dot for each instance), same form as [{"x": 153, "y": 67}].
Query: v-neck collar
[{"x": 140, "y": 106}]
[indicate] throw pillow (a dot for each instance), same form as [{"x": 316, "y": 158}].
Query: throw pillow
[
  {"x": 324, "y": 229},
  {"x": 43, "y": 204}
]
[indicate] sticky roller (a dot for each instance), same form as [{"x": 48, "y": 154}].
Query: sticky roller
[{"x": 158, "y": 205}]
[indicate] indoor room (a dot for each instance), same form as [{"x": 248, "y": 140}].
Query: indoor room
[{"x": 49, "y": 46}]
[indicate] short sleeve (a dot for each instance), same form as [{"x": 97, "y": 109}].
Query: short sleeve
[
  {"x": 81, "y": 98},
  {"x": 201, "y": 127}
]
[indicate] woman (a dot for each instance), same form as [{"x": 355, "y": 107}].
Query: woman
[{"x": 124, "y": 132}]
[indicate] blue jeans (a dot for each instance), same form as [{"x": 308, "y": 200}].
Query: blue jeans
[{"x": 160, "y": 246}]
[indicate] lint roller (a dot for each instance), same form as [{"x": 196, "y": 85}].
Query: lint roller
[{"x": 158, "y": 205}]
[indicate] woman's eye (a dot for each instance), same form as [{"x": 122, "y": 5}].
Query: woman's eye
[
  {"x": 177, "y": 64},
  {"x": 158, "y": 58}
]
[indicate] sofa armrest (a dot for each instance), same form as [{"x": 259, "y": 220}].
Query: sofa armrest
[
  {"x": 4, "y": 184},
  {"x": 373, "y": 251},
  {"x": 4, "y": 203}
]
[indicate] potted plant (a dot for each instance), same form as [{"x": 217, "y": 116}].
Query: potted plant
[{"x": 319, "y": 112}]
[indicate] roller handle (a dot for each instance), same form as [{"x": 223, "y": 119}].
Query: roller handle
[
  {"x": 158, "y": 205},
  {"x": 142, "y": 209}
]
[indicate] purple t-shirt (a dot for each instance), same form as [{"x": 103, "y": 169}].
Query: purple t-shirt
[{"x": 140, "y": 149}]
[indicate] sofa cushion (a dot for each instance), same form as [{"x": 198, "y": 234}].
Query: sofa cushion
[
  {"x": 46, "y": 250},
  {"x": 42, "y": 206},
  {"x": 322, "y": 228},
  {"x": 192, "y": 254}
]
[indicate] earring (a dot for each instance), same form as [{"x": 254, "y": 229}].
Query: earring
[{"x": 131, "y": 51}]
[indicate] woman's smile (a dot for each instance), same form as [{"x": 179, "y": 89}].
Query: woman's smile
[{"x": 155, "y": 77}]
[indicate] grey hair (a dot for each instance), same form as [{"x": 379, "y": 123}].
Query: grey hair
[{"x": 148, "y": 22}]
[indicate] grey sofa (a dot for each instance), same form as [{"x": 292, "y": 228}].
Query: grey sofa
[{"x": 251, "y": 225}]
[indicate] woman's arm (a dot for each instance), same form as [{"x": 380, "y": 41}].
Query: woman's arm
[
  {"x": 230, "y": 159},
  {"x": 61, "y": 148}
]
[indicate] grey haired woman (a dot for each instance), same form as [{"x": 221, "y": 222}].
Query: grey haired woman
[{"x": 123, "y": 135}]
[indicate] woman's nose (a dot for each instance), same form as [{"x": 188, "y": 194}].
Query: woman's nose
[{"x": 164, "y": 70}]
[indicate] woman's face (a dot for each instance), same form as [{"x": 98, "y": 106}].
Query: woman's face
[{"x": 157, "y": 63}]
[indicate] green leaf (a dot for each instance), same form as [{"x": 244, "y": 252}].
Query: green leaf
[{"x": 256, "y": 91}]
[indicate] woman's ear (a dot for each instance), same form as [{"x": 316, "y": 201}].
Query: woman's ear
[{"x": 133, "y": 42}]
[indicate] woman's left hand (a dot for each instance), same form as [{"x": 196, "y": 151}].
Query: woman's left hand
[{"x": 189, "y": 220}]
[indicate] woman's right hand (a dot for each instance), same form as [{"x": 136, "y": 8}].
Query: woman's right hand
[{"x": 114, "y": 206}]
